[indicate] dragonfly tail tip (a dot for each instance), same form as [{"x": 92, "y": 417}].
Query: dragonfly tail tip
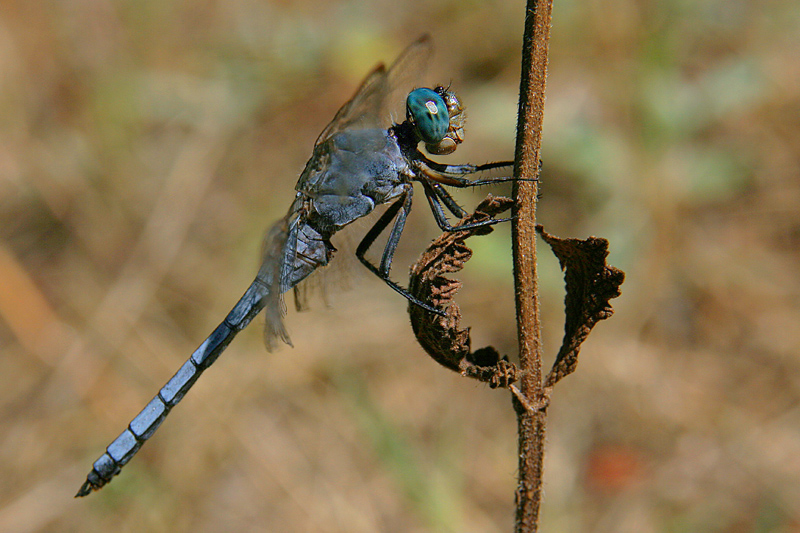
[{"x": 85, "y": 489}]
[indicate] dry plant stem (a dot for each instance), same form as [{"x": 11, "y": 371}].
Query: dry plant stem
[{"x": 530, "y": 421}]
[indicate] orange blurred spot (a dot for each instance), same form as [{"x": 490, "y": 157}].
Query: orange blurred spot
[{"x": 613, "y": 468}]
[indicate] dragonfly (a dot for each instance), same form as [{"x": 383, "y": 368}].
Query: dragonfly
[{"x": 357, "y": 164}]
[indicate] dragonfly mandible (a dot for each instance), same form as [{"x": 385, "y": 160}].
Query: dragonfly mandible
[{"x": 357, "y": 164}]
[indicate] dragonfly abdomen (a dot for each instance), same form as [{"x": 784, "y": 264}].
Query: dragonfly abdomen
[{"x": 142, "y": 427}]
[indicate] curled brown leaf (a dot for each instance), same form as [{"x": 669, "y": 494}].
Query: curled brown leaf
[
  {"x": 441, "y": 336},
  {"x": 590, "y": 284}
]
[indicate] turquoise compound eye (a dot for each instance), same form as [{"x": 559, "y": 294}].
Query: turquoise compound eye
[{"x": 427, "y": 111}]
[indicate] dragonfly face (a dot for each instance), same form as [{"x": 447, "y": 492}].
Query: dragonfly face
[
  {"x": 438, "y": 118},
  {"x": 426, "y": 110},
  {"x": 357, "y": 164}
]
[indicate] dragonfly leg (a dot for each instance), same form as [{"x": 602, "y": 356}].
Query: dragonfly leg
[
  {"x": 443, "y": 174},
  {"x": 453, "y": 175},
  {"x": 398, "y": 212},
  {"x": 437, "y": 195},
  {"x": 463, "y": 169},
  {"x": 448, "y": 200},
  {"x": 455, "y": 180},
  {"x": 376, "y": 230}
]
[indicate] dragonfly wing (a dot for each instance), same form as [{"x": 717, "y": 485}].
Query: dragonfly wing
[
  {"x": 293, "y": 249},
  {"x": 406, "y": 73},
  {"x": 336, "y": 277},
  {"x": 277, "y": 250},
  {"x": 381, "y": 90},
  {"x": 358, "y": 107}
]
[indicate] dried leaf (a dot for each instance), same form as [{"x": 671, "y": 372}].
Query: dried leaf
[
  {"x": 590, "y": 284},
  {"x": 440, "y": 336}
]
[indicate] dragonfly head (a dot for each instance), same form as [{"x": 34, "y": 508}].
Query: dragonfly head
[{"x": 438, "y": 119}]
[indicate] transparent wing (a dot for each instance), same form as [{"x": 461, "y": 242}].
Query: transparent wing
[
  {"x": 277, "y": 253},
  {"x": 382, "y": 92},
  {"x": 322, "y": 286}
]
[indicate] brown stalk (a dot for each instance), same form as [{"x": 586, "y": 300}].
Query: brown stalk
[
  {"x": 531, "y": 410},
  {"x": 589, "y": 281}
]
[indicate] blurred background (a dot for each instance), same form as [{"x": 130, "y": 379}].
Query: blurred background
[{"x": 146, "y": 146}]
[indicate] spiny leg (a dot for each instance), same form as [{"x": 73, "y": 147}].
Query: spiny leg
[
  {"x": 396, "y": 232},
  {"x": 466, "y": 168},
  {"x": 455, "y": 171},
  {"x": 448, "y": 200},
  {"x": 376, "y": 230},
  {"x": 453, "y": 175},
  {"x": 437, "y": 194},
  {"x": 399, "y": 212},
  {"x": 462, "y": 169}
]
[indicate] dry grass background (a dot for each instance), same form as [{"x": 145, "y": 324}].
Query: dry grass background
[{"x": 145, "y": 146}]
